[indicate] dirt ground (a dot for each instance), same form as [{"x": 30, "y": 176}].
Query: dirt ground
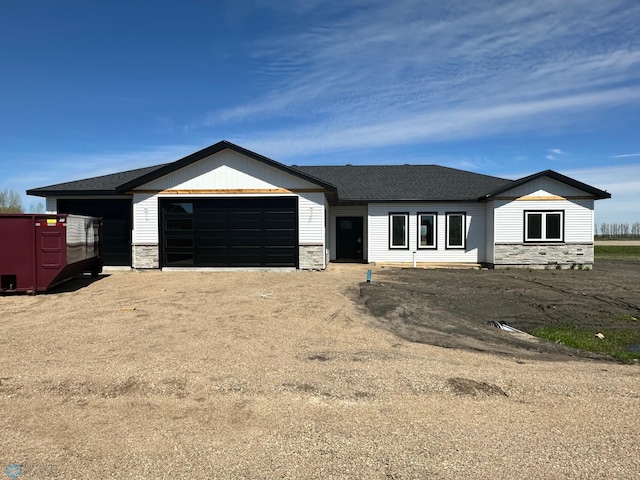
[
  {"x": 263, "y": 375},
  {"x": 453, "y": 308}
]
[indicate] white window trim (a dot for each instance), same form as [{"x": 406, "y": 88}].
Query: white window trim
[
  {"x": 435, "y": 231},
  {"x": 405, "y": 215},
  {"x": 544, "y": 238},
  {"x": 463, "y": 246}
]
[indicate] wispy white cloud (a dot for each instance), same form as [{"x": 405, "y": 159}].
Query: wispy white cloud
[
  {"x": 376, "y": 68},
  {"x": 557, "y": 151},
  {"x": 626, "y": 155},
  {"x": 554, "y": 153},
  {"x": 456, "y": 123}
]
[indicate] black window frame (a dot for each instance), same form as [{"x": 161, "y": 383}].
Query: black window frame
[
  {"x": 406, "y": 233},
  {"x": 543, "y": 236},
  {"x": 435, "y": 230},
  {"x": 448, "y": 245}
]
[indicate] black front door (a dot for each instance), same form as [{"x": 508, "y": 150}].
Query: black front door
[{"x": 349, "y": 238}]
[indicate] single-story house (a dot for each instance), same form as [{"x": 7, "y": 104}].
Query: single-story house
[{"x": 226, "y": 206}]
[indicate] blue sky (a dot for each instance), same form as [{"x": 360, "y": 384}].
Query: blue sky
[{"x": 503, "y": 88}]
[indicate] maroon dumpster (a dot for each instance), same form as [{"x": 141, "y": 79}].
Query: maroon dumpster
[{"x": 40, "y": 251}]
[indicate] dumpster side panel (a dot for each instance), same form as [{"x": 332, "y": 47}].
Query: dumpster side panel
[
  {"x": 51, "y": 249},
  {"x": 69, "y": 248},
  {"x": 37, "y": 252},
  {"x": 17, "y": 253}
]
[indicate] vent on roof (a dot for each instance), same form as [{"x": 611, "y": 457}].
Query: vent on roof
[{"x": 349, "y": 165}]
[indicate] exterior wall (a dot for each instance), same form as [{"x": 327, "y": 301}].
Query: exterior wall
[
  {"x": 311, "y": 226},
  {"x": 578, "y": 219},
  {"x": 347, "y": 211},
  {"x": 145, "y": 251},
  {"x": 378, "y": 233},
  {"x": 311, "y": 231},
  {"x": 311, "y": 218},
  {"x": 213, "y": 177},
  {"x": 327, "y": 232},
  {"x": 490, "y": 232},
  {"x": 145, "y": 219},
  {"x": 543, "y": 194}
]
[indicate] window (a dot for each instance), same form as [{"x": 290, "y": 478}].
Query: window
[
  {"x": 345, "y": 225},
  {"x": 179, "y": 224},
  {"x": 179, "y": 241},
  {"x": 543, "y": 226},
  {"x": 399, "y": 230},
  {"x": 456, "y": 230},
  {"x": 178, "y": 207},
  {"x": 427, "y": 230}
]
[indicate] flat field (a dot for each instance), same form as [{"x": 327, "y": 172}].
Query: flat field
[{"x": 289, "y": 375}]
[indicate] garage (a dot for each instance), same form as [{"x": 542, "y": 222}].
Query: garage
[
  {"x": 229, "y": 232},
  {"x": 116, "y": 229}
]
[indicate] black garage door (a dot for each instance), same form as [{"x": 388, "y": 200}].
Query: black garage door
[
  {"x": 230, "y": 232},
  {"x": 116, "y": 227}
]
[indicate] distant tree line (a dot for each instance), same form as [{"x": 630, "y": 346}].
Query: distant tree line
[
  {"x": 618, "y": 230},
  {"x": 11, "y": 202}
]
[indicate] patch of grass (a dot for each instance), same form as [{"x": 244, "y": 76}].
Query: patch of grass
[
  {"x": 623, "y": 317},
  {"x": 617, "y": 252},
  {"x": 616, "y": 343}
]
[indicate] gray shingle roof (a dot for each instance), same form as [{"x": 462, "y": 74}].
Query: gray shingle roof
[
  {"x": 405, "y": 182},
  {"x": 596, "y": 192},
  {"x": 102, "y": 185},
  {"x": 352, "y": 184},
  {"x": 123, "y": 182}
]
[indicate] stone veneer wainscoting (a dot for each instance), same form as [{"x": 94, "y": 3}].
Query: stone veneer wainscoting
[
  {"x": 146, "y": 256},
  {"x": 311, "y": 257},
  {"x": 543, "y": 255}
]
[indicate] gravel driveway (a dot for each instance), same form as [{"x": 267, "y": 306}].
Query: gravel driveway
[{"x": 283, "y": 375}]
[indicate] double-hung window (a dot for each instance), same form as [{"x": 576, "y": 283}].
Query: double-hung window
[
  {"x": 544, "y": 226},
  {"x": 399, "y": 230},
  {"x": 456, "y": 230},
  {"x": 427, "y": 230}
]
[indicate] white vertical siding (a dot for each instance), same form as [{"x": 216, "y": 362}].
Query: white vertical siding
[
  {"x": 327, "y": 232},
  {"x": 378, "y": 233},
  {"x": 578, "y": 219},
  {"x": 227, "y": 170},
  {"x": 490, "y": 233},
  {"x": 541, "y": 187},
  {"x": 347, "y": 211},
  {"x": 145, "y": 219},
  {"x": 311, "y": 219}
]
